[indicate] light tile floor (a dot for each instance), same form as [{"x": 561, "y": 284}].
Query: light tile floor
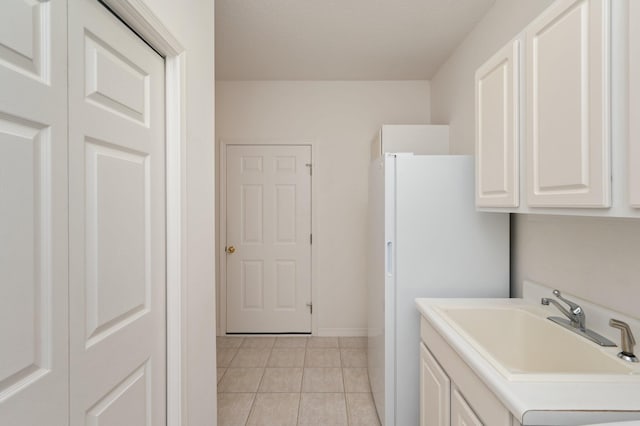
[{"x": 282, "y": 381}]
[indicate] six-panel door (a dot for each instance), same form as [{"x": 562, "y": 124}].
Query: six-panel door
[
  {"x": 33, "y": 213},
  {"x": 268, "y": 196},
  {"x": 117, "y": 223}
]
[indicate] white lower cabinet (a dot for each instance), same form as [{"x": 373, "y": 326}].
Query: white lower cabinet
[
  {"x": 461, "y": 412},
  {"x": 450, "y": 392},
  {"x": 435, "y": 391}
]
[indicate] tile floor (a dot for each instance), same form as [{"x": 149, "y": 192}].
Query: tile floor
[{"x": 281, "y": 381}]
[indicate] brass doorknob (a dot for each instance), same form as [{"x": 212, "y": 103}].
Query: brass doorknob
[{"x": 231, "y": 249}]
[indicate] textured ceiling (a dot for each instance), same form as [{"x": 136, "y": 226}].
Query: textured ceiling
[{"x": 339, "y": 39}]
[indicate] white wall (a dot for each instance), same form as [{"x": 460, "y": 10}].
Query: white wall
[
  {"x": 452, "y": 88},
  {"x": 192, "y": 23},
  {"x": 343, "y": 118},
  {"x": 594, "y": 258}
]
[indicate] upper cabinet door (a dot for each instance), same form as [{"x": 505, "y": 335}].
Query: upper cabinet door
[
  {"x": 497, "y": 130},
  {"x": 634, "y": 103},
  {"x": 568, "y": 111}
]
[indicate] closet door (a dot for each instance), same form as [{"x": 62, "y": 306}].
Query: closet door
[
  {"x": 33, "y": 213},
  {"x": 117, "y": 217}
]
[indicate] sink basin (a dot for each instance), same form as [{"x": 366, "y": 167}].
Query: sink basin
[{"x": 523, "y": 345}]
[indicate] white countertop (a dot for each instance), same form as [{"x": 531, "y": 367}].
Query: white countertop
[{"x": 537, "y": 403}]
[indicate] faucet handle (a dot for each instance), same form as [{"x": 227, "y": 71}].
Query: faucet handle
[
  {"x": 628, "y": 341},
  {"x": 575, "y": 308}
]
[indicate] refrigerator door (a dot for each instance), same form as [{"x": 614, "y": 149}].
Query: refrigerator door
[
  {"x": 443, "y": 248},
  {"x": 381, "y": 295}
]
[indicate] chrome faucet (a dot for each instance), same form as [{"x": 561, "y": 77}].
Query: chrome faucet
[
  {"x": 576, "y": 319},
  {"x": 575, "y": 313}
]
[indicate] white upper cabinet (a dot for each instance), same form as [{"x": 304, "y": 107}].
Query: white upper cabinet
[
  {"x": 497, "y": 129},
  {"x": 567, "y": 106},
  {"x": 634, "y": 103}
]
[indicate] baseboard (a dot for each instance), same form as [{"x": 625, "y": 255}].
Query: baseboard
[{"x": 342, "y": 332}]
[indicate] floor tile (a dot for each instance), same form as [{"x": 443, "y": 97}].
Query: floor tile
[
  {"x": 322, "y": 358},
  {"x": 361, "y": 410},
  {"x": 250, "y": 358},
  {"x": 322, "y": 342},
  {"x": 271, "y": 409},
  {"x": 229, "y": 341},
  {"x": 281, "y": 380},
  {"x": 356, "y": 380},
  {"x": 352, "y": 342},
  {"x": 291, "y": 342},
  {"x": 291, "y": 357},
  {"x": 220, "y": 372},
  {"x": 354, "y": 357},
  {"x": 241, "y": 380},
  {"x": 322, "y": 409},
  {"x": 258, "y": 342},
  {"x": 224, "y": 356},
  {"x": 322, "y": 380},
  {"x": 234, "y": 408}
]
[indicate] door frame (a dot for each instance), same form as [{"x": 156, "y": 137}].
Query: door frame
[
  {"x": 141, "y": 19},
  {"x": 221, "y": 288}
]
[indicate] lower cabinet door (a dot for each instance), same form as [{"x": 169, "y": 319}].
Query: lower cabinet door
[
  {"x": 435, "y": 391},
  {"x": 461, "y": 412}
]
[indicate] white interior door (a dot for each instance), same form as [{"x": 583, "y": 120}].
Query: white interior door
[
  {"x": 33, "y": 213},
  {"x": 269, "y": 239},
  {"x": 117, "y": 217}
]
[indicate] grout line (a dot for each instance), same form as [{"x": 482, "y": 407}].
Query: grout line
[
  {"x": 253, "y": 404},
  {"x": 255, "y": 394}
]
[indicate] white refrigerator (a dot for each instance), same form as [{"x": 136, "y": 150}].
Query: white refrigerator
[{"x": 426, "y": 240}]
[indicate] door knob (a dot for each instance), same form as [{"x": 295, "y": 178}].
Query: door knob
[{"x": 230, "y": 249}]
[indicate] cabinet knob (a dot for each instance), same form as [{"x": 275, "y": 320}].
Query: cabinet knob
[{"x": 230, "y": 249}]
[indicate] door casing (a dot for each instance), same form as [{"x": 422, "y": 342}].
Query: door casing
[{"x": 221, "y": 291}]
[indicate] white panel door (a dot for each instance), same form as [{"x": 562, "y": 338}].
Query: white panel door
[
  {"x": 117, "y": 217},
  {"x": 435, "y": 391},
  {"x": 269, "y": 227},
  {"x": 568, "y": 111},
  {"x": 33, "y": 213},
  {"x": 461, "y": 412},
  {"x": 497, "y": 130},
  {"x": 634, "y": 103}
]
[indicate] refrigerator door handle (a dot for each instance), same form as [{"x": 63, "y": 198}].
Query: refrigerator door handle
[{"x": 389, "y": 258}]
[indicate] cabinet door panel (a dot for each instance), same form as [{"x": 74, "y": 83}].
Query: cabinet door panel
[
  {"x": 568, "y": 136},
  {"x": 497, "y": 130},
  {"x": 634, "y": 103},
  {"x": 461, "y": 412},
  {"x": 435, "y": 391}
]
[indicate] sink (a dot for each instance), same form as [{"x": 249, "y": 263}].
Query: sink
[{"x": 523, "y": 345}]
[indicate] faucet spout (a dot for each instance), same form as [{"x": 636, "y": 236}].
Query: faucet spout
[
  {"x": 545, "y": 301},
  {"x": 576, "y": 319},
  {"x": 575, "y": 313}
]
